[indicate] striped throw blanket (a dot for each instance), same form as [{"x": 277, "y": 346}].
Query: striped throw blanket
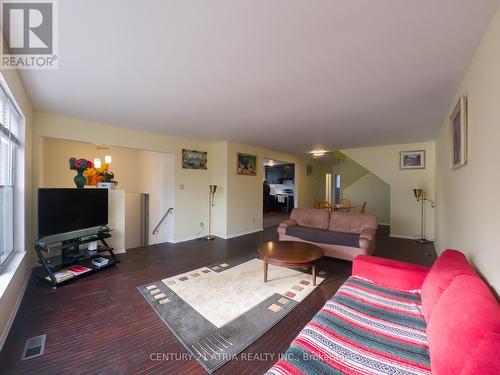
[{"x": 363, "y": 329}]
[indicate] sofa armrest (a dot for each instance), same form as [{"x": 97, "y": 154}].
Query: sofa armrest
[
  {"x": 367, "y": 240},
  {"x": 390, "y": 273},
  {"x": 368, "y": 234},
  {"x": 287, "y": 223}
]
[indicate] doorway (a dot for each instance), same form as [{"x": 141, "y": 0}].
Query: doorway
[
  {"x": 336, "y": 188},
  {"x": 279, "y": 191}
]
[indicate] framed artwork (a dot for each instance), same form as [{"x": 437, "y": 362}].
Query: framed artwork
[
  {"x": 412, "y": 159},
  {"x": 309, "y": 170},
  {"x": 246, "y": 165},
  {"x": 192, "y": 159},
  {"x": 458, "y": 134}
]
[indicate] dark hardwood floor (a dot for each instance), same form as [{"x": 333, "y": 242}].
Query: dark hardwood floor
[{"x": 102, "y": 325}]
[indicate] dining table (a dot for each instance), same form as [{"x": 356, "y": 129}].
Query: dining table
[{"x": 340, "y": 207}]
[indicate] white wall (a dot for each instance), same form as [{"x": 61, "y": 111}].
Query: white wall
[
  {"x": 157, "y": 180},
  {"x": 132, "y": 220},
  {"x": 116, "y": 220},
  {"x": 383, "y": 161},
  {"x": 468, "y": 203},
  {"x": 375, "y": 192}
]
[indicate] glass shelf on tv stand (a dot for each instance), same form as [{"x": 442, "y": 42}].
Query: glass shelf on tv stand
[
  {"x": 58, "y": 254},
  {"x": 58, "y": 261}
]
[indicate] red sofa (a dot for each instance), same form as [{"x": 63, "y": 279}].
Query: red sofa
[{"x": 399, "y": 318}]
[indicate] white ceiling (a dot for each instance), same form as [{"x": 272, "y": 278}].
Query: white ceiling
[{"x": 288, "y": 75}]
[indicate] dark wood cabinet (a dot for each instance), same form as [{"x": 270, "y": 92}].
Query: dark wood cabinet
[{"x": 276, "y": 174}]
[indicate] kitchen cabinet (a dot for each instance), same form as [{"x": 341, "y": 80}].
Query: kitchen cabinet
[{"x": 276, "y": 174}]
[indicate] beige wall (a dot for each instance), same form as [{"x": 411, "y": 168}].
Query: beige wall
[
  {"x": 136, "y": 171},
  {"x": 238, "y": 207},
  {"x": 244, "y": 193},
  {"x": 126, "y": 165},
  {"x": 219, "y": 157},
  {"x": 349, "y": 170},
  {"x": 468, "y": 205},
  {"x": 383, "y": 161},
  {"x": 190, "y": 202},
  {"x": 375, "y": 192}
]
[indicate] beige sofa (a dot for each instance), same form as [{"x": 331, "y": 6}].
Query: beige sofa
[{"x": 340, "y": 234}]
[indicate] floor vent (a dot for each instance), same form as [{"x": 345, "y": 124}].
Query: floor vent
[{"x": 34, "y": 347}]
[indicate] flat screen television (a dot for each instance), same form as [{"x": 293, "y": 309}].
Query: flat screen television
[{"x": 68, "y": 210}]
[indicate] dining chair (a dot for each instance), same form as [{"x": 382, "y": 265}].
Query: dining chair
[
  {"x": 363, "y": 208},
  {"x": 315, "y": 203},
  {"x": 325, "y": 204}
]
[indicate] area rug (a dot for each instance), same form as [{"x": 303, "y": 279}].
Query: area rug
[{"x": 219, "y": 310}]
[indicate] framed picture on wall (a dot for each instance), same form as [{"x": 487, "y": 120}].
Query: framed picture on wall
[
  {"x": 458, "y": 134},
  {"x": 412, "y": 159},
  {"x": 309, "y": 170},
  {"x": 192, "y": 159},
  {"x": 246, "y": 165}
]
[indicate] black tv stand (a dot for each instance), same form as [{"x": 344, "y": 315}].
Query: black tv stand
[{"x": 57, "y": 255}]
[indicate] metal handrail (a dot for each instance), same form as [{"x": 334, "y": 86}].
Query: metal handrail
[{"x": 170, "y": 210}]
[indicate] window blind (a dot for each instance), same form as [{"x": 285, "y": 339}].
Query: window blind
[{"x": 10, "y": 135}]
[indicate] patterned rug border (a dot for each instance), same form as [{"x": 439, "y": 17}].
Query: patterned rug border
[{"x": 233, "y": 262}]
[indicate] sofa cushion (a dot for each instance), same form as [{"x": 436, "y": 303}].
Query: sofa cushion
[
  {"x": 449, "y": 265},
  {"x": 363, "y": 329},
  {"x": 480, "y": 361},
  {"x": 324, "y": 236},
  {"x": 307, "y": 217},
  {"x": 466, "y": 313},
  {"x": 351, "y": 223}
]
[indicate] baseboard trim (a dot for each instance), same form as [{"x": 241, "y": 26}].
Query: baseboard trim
[
  {"x": 183, "y": 239},
  {"x": 243, "y": 233},
  {"x": 218, "y": 236},
  {"x": 13, "y": 314},
  {"x": 404, "y": 236}
]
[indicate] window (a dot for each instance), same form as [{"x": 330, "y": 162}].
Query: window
[{"x": 10, "y": 145}]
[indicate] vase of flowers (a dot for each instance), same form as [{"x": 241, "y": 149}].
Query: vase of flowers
[{"x": 80, "y": 166}]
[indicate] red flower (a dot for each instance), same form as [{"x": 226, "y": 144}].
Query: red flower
[
  {"x": 90, "y": 164},
  {"x": 78, "y": 163}
]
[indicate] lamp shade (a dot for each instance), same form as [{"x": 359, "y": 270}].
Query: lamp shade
[
  {"x": 418, "y": 193},
  {"x": 108, "y": 159}
]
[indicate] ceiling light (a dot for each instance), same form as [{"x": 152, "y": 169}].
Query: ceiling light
[{"x": 318, "y": 153}]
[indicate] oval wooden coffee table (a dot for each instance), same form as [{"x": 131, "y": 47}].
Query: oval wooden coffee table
[{"x": 293, "y": 254}]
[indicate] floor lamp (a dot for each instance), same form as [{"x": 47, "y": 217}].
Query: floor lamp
[
  {"x": 211, "y": 203},
  {"x": 420, "y": 195}
]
